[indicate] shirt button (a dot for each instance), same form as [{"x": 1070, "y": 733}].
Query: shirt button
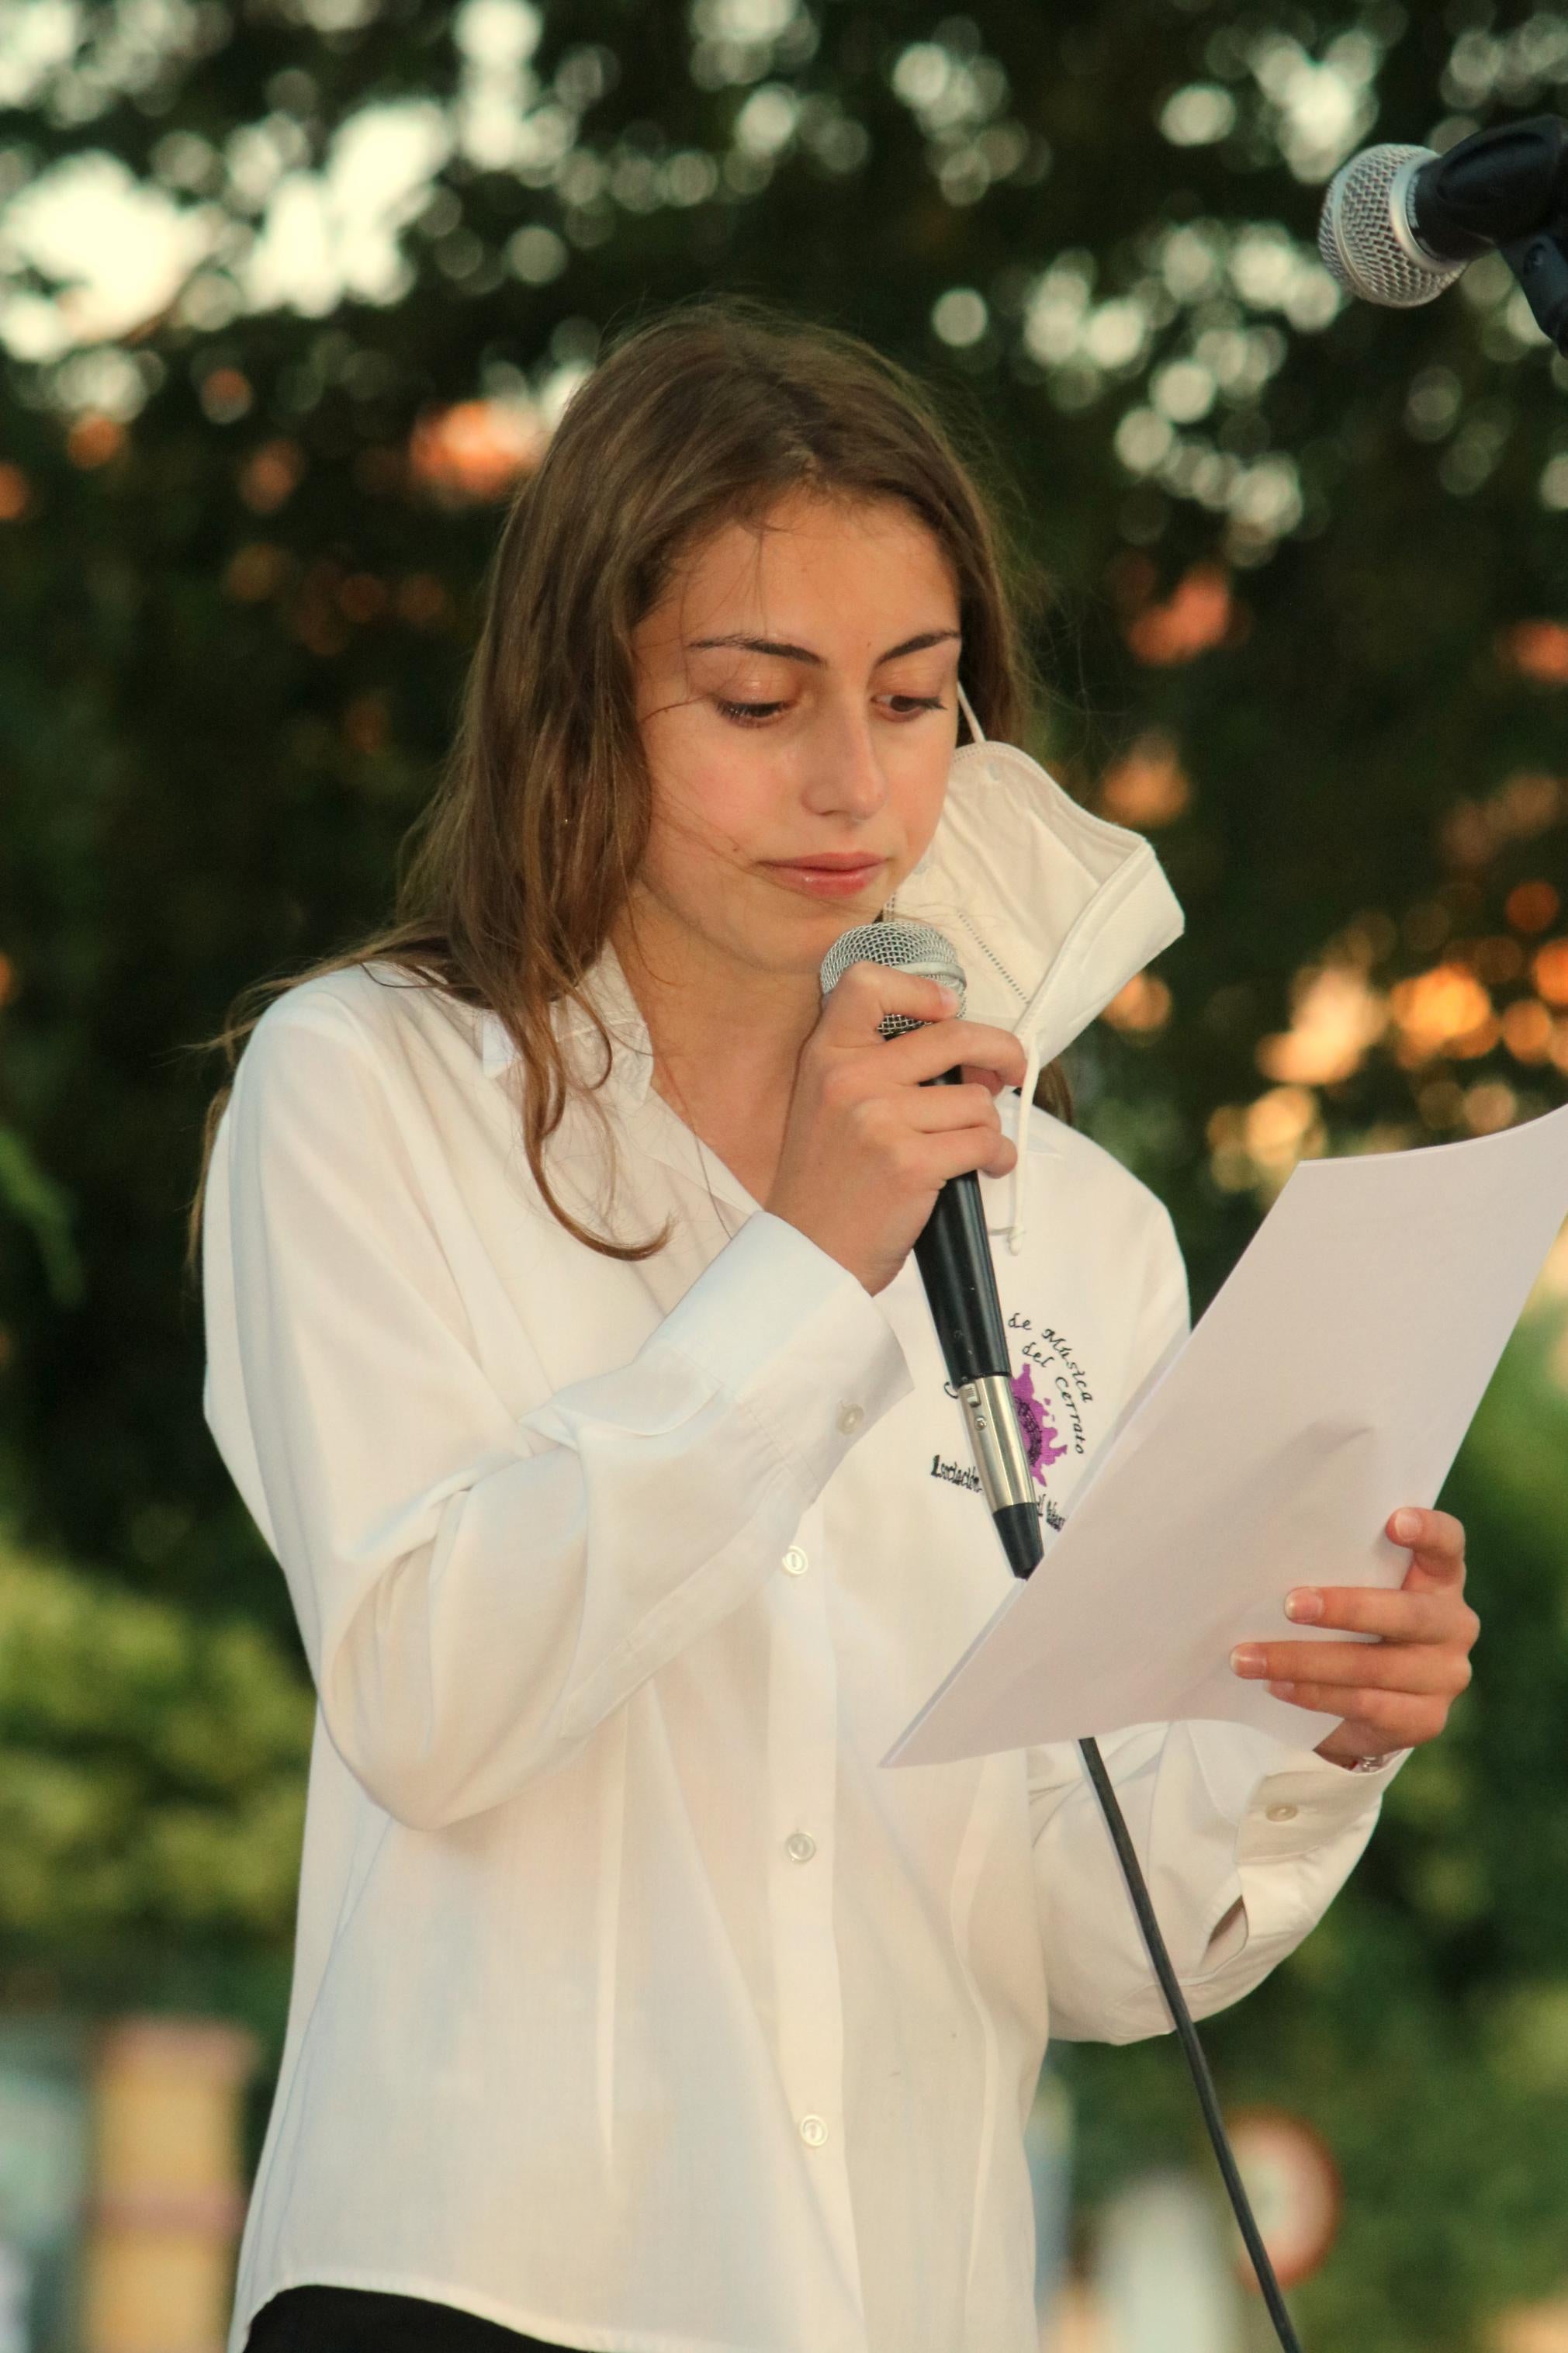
[
  {"x": 813, "y": 2131},
  {"x": 850, "y": 1419},
  {"x": 794, "y": 1561},
  {"x": 800, "y": 1846},
  {"x": 1281, "y": 1813}
]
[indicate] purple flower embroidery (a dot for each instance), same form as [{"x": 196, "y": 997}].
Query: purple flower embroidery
[{"x": 1040, "y": 1438}]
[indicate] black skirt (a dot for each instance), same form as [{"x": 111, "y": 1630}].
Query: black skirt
[{"x": 363, "y": 2320}]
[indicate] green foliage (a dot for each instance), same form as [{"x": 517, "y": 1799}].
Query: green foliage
[
  {"x": 152, "y": 1768},
  {"x": 40, "y": 1206}
]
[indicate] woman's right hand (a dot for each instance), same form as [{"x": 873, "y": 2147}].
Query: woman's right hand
[{"x": 866, "y": 1146}]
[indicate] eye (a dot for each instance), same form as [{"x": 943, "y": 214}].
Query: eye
[
  {"x": 748, "y": 714},
  {"x": 904, "y": 707}
]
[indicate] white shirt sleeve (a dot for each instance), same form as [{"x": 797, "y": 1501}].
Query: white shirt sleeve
[
  {"x": 1243, "y": 1840},
  {"x": 477, "y": 1593}
]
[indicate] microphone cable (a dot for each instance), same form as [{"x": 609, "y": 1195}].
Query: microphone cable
[
  {"x": 954, "y": 1261},
  {"x": 1209, "y": 2099}
]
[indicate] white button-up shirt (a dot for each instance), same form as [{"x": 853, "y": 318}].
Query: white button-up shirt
[{"x": 635, "y": 2005}]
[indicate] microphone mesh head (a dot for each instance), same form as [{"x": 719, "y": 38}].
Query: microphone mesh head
[
  {"x": 1365, "y": 237},
  {"x": 910, "y": 947}
]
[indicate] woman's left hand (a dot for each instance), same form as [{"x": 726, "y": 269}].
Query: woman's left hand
[{"x": 1395, "y": 1693}]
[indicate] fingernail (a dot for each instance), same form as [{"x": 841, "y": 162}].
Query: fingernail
[
  {"x": 949, "y": 997},
  {"x": 1406, "y": 1525},
  {"x": 1247, "y": 1659},
  {"x": 1283, "y": 1690},
  {"x": 1303, "y": 1603}
]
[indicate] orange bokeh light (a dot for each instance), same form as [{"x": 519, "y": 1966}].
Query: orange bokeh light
[
  {"x": 1148, "y": 787},
  {"x": 1539, "y": 649},
  {"x": 476, "y": 450},
  {"x": 257, "y": 570},
  {"x": 1527, "y": 1030},
  {"x": 1141, "y": 1008},
  {"x": 271, "y": 474},
  {"x": 1444, "y": 1011},
  {"x": 1531, "y": 906},
  {"x": 93, "y": 440},
  {"x": 1550, "y": 971},
  {"x": 1335, "y": 1017},
  {"x": 1197, "y": 615}
]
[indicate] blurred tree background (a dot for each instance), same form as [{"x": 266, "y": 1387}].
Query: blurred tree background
[{"x": 290, "y": 297}]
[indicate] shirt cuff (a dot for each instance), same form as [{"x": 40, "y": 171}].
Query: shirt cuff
[
  {"x": 1304, "y": 1801},
  {"x": 794, "y": 1339},
  {"x": 1293, "y": 1815},
  {"x": 1282, "y": 1802}
]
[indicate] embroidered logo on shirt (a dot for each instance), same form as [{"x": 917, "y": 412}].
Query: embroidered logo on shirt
[
  {"x": 957, "y": 1474},
  {"x": 1050, "y": 1416},
  {"x": 1041, "y": 1439},
  {"x": 1063, "y": 1393}
]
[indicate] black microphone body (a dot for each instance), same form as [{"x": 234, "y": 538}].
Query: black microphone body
[{"x": 953, "y": 1255}]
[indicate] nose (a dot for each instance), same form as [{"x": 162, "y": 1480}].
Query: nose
[{"x": 846, "y": 776}]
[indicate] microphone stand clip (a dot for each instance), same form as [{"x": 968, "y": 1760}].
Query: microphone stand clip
[{"x": 1540, "y": 262}]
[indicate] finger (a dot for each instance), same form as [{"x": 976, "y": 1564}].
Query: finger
[
  {"x": 932, "y": 1110},
  {"x": 865, "y": 992},
  {"x": 1373, "y": 1666},
  {"x": 1435, "y": 1541},
  {"x": 1401, "y": 1616},
  {"x": 990, "y": 1080},
  {"x": 958, "y": 1150},
  {"x": 1392, "y": 1719},
  {"x": 927, "y": 1053}
]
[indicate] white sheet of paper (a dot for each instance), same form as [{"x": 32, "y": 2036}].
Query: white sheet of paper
[{"x": 1331, "y": 1380}]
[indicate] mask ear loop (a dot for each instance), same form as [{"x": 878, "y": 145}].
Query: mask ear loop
[{"x": 1016, "y": 1227}]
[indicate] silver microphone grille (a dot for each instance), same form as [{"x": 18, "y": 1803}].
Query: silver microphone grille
[
  {"x": 1364, "y": 235},
  {"x": 910, "y": 947}
]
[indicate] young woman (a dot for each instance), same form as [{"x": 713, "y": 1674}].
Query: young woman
[{"x": 565, "y": 1345}]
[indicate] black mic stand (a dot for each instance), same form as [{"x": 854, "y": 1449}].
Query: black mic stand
[
  {"x": 1170, "y": 1985},
  {"x": 1540, "y": 262},
  {"x": 1485, "y": 190},
  {"x": 955, "y": 1259},
  {"x": 1209, "y": 2098}
]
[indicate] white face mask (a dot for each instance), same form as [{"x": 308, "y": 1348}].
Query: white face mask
[{"x": 1050, "y": 909}]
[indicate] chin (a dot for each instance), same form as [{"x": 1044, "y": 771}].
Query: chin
[
  {"x": 821, "y": 925},
  {"x": 796, "y": 950}
]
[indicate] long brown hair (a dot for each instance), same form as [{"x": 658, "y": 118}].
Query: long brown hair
[{"x": 706, "y": 414}]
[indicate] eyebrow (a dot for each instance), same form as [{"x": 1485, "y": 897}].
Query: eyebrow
[{"x": 803, "y": 653}]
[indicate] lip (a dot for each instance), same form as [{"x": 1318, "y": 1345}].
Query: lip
[{"x": 829, "y": 874}]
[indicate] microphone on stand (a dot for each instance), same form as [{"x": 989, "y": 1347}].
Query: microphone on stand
[
  {"x": 955, "y": 1259},
  {"x": 1399, "y": 224}
]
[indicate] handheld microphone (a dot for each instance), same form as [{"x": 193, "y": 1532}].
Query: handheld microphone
[
  {"x": 1399, "y": 224},
  {"x": 955, "y": 1259}
]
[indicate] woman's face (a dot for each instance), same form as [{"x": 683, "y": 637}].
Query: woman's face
[{"x": 797, "y": 700}]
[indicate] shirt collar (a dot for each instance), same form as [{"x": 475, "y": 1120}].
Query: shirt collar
[{"x": 631, "y": 1066}]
